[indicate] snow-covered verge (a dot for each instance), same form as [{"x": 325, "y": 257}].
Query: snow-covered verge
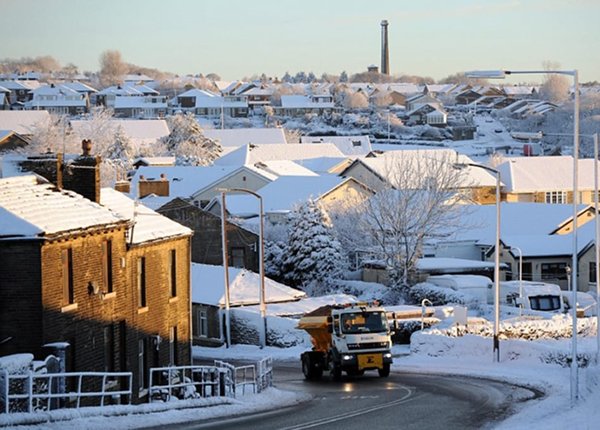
[
  {"x": 521, "y": 363},
  {"x": 153, "y": 414}
]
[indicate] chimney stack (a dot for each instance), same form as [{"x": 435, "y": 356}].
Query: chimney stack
[
  {"x": 385, "y": 55},
  {"x": 82, "y": 174}
]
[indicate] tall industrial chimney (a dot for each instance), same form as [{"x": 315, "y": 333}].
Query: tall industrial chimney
[{"x": 385, "y": 55}]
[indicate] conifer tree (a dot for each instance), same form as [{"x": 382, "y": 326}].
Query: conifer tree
[{"x": 313, "y": 254}]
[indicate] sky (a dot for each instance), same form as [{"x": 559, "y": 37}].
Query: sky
[{"x": 240, "y": 38}]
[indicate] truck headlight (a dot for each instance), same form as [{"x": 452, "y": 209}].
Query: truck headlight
[
  {"x": 387, "y": 355},
  {"x": 346, "y": 357}
]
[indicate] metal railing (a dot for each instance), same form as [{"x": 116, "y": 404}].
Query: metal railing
[
  {"x": 264, "y": 379},
  {"x": 46, "y": 391},
  {"x": 186, "y": 382}
]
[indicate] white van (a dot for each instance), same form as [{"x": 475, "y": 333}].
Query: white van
[
  {"x": 477, "y": 286},
  {"x": 537, "y": 296}
]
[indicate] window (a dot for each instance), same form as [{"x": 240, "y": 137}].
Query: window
[
  {"x": 67, "y": 276},
  {"x": 554, "y": 271},
  {"x": 141, "y": 363},
  {"x": 173, "y": 272},
  {"x": 236, "y": 257},
  {"x": 556, "y": 197},
  {"x": 107, "y": 266},
  {"x": 141, "y": 281},
  {"x": 592, "y": 272},
  {"x": 173, "y": 346},
  {"x": 545, "y": 303},
  {"x": 201, "y": 326}
]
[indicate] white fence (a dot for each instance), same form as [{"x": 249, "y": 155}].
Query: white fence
[
  {"x": 46, "y": 391},
  {"x": 184, "y": 382},
  {"x": 222, "y": 379},
  {"x": 265, "y": 374}
]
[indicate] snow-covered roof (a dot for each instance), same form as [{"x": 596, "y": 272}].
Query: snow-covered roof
[
  {"x": 303, "y": 102},
  {"x": 436, "y": 264},
  {"x": 324, "y": 164},
  {"x": 208, "y": 287},
  {"x": 31, "y": 207},
  {"x": 148, "y": 225},
  {"x": 516, "y": 220},
  {"x": 385, "y": 165},
  {"x": 195, "y": 92},
  {"x": 139, "y": 77},
  {"x": 539, "y": 174},
  {"x": 156, "y": 161},
  {"x": 284, "y": 168},
  {"x": 80, "y": 87},
  {"x": 348, "y": 145},
  {"x": 243, "y": 136},
  {"x": 22, "y": 121},
  {"x": 147, "y": 129},
  {"x": 251, "y": 153},
  {"x": 183, "y": 180},
  {"x": 283, "y": 194}
]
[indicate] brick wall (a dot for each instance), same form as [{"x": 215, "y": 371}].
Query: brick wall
[{"x": 20, "y": 297}]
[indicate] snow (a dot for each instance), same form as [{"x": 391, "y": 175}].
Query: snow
[
  {"x": 208, "y": 287},
  {"x": 254, "y": 153},
  {"x": 31, "y": 207},
  {"x": 22, "y": 122},
  {"x": 243, "y": 136},
  {"x": 285, "y": 192},
  {"x": 149, "y": 225},
  {"x": 530, "y": 364}
]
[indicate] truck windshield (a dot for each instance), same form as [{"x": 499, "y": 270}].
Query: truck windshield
[
  {"x": 364, "y": 322},
  {"x": 545, "y": 303}
]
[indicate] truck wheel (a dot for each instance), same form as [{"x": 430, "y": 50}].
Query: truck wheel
[
  {"x": 336, "y": 372},
  {"x": 384, "y": 372},
  {"x": 310, "y": 372}
]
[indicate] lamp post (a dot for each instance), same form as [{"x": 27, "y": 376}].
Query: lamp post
[
  {"x": 520, "y": 279},
  {"x": 496, "y": 173},
  {"x": 261, "y": 259},
  {"x": 501, "y": 74}
]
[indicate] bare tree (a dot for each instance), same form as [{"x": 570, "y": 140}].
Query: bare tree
[
  {"x": 421, "y": 201},
  {"x": 112, "y": 68}
]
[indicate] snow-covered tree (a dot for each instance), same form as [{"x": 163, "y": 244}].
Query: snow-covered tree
[
  {"x": 188, "y": 143},
  {"x": 313, "y": 256},
  {"x": 355, "y": 100},
  {"x": 274, "y": 256},
  {"x": 52, "y": 135},
  {"x": 555, "y": 87},
  {"x": 117, "y": 158},
  {"x": 344, "y": 76}
]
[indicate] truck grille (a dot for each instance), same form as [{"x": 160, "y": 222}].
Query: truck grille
[{"x": 370, "y": 345}]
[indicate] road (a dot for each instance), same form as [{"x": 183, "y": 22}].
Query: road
[{"x": 407, "y": 401}]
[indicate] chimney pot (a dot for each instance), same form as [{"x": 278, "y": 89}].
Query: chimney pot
[{"x": 86, "y": 147}]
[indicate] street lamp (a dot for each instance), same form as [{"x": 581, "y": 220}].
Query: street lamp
[
  {"x": 501, "y": 74},
  {"x": 496, "y": 173},
  {"x": 520, "y": 279},
  {"x": 261, "y": 259}
]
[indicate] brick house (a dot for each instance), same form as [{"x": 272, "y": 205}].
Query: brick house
[
  {"x": 95, "y": 270},
  {"x": 207, "y": 246}
]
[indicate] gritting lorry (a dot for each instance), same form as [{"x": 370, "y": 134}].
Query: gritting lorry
[{"x": 351, "y": 338}]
